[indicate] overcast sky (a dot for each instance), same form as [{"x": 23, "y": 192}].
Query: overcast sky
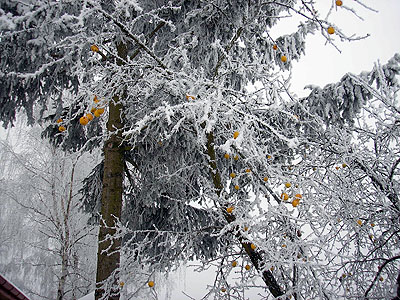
[{"x": 323, "y": 64}]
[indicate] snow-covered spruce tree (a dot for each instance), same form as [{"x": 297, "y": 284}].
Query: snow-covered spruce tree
[
  {"x": 49, "y": 243},
  {"x": 181, "y": 124}
]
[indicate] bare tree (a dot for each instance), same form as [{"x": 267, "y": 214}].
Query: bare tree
[{"x": 44, "y": 188}]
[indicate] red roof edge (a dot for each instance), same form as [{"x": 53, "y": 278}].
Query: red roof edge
[{"x": 9, "y": 291}]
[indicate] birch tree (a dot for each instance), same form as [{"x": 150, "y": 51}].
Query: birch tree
[{"x": 52, "y": 234}]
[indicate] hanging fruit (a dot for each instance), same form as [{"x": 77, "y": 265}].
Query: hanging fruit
[
  {"x": 284, "y": 196},
  {"x": 298, "y": 196},
  {"x": 98, "y": 112},
  {"x": 83, "y": 120},
  {"x": 94, "y": 48},
  {"x": 295, "y": 202},
  {"x": 89, "y": 116},
  {"x": 331, "y": 30}
]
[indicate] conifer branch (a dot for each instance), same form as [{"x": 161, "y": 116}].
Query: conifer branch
[
  {"x": 227, "y": 49},
  {"x": 126, "y": 31},
  {"x": 159, "y": 26}
]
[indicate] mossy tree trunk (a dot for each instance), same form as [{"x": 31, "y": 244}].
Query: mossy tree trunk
[{"x": 108, "y": 255}]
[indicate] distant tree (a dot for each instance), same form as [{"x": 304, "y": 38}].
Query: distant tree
[
  {"x": 51, "y": 233},
  {"x": 183, "y": 131}
]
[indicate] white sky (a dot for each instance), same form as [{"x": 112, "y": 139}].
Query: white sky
[{"x": 323, "y": 64}]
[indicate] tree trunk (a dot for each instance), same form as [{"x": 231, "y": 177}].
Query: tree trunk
[
  {"x": 108, "y": 255},
  {"x": 63, "y": 278}
]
